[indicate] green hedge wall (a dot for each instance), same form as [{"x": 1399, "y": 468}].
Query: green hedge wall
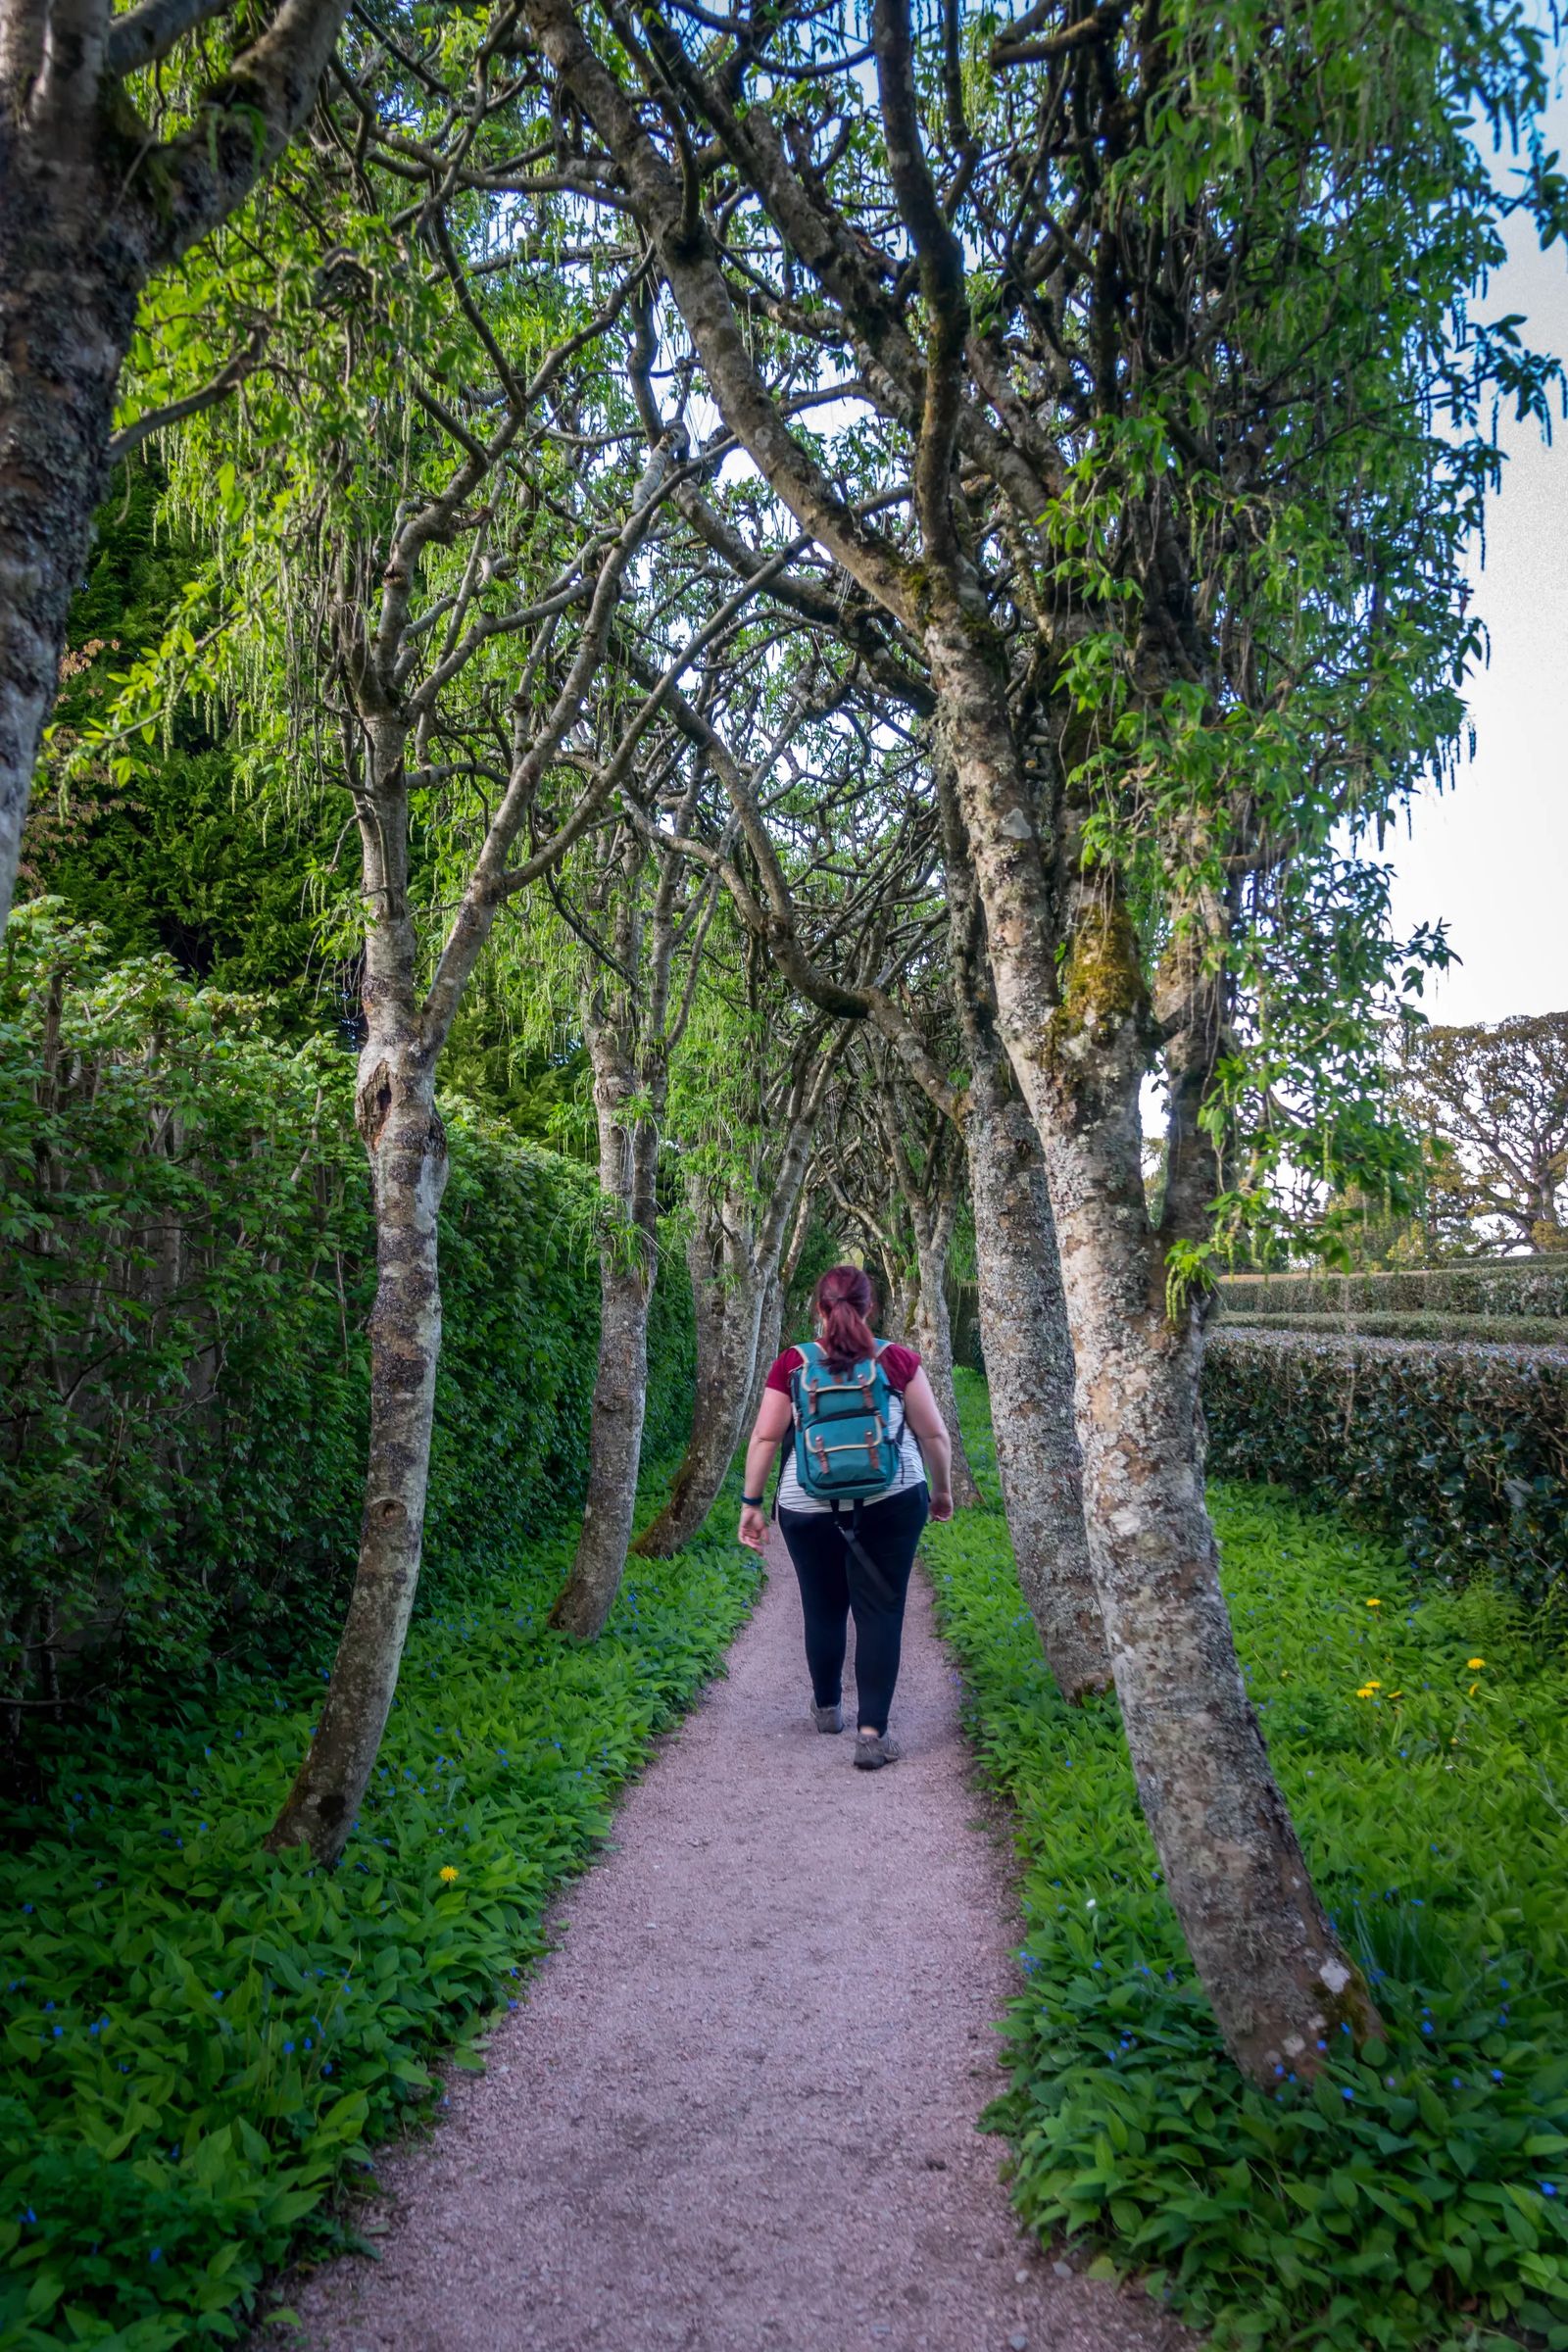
[
  {"x": 1460, "y": 1452},
  {"x": 185, "y": 1281},
  {"x": 1505, "y": 1330},
  {"x": 1511, "y": 1290}
]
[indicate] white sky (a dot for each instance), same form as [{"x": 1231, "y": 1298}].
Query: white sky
[{"x": 1492, "y": 855}]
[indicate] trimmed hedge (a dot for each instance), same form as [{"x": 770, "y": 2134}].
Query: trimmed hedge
[
  {"x": 186, "y": 1273},
  {"x": 1500, "y": 1331},
  {"x": 1510, "y": 1290},
  {"x": 1459, "y": 1452}
]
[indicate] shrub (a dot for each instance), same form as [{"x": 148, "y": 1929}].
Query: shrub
[
  {"x": 204, "y": 2040},
  {"x": 1416, "y": 2196},
  {"x": 1460, "y": 1453},
  {"x": 183, "y": 1293}
]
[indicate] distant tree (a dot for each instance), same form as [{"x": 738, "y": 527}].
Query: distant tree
[{"x": 1492, "y": 1100}]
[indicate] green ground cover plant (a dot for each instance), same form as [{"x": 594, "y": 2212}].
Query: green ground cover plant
[
  {"x": 203, "y": 2042},
  {"x": 1416, "y": 2196}
]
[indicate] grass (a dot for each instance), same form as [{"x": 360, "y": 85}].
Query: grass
[
  {"x": 203, "y": 2042},
  {"x": 1417, "y": 2196}
]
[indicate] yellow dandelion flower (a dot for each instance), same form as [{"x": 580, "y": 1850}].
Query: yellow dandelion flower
[
  {"x": 1396, "y": 1694},
  {"x": 1369, "y": 1690},
  {"x": 1474, "y": 1688},
  {"x": 1374, "y": 1604},
  {"x": 1475, "y": 1664},
  {"x": 448, "y": 1875}
]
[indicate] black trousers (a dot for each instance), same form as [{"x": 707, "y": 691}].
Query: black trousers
[{"x": 835, "y": 1585}]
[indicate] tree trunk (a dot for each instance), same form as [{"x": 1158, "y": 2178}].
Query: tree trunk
[
  {"x": 1079, "y": 1041},
  {"x": 900, "y": 1298},
  {"x": 1279, "y": 1983},
  {"x": 68, "y": 311},
  {"x": 91, "y": 205},
  {"x": 739, "y": 1274},
  {"x": 407, "y": 1146},
  {"x": 933, "y": 1339},
  {"x": 728, "y": 1294},
  {"x": 1023, "y": 1315},
  {"x": 628, "y": 1150},
  {"x": 620, "y": 1402},
  {"x": 1029, "y": 1369},
  {"x": 769, "y": 1344}
]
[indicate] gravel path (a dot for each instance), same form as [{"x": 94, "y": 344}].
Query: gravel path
[{"x": 736, "y": 2112}]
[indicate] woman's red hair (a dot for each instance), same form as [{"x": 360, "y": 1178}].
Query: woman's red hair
[{"x": 845, "y": 1302}]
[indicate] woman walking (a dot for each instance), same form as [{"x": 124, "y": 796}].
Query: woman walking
[{"x": 849, "y": 1558}]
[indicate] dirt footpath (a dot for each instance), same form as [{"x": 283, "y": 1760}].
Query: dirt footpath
[{"x": 737, "y": 2110}]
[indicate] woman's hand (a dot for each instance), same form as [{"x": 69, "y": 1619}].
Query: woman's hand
[
  {"x": 753, "y": 1528},
  {"x": 942, "y": 1505}
]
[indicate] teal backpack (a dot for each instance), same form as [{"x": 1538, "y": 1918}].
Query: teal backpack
[{"x": 845, "y": 1449}]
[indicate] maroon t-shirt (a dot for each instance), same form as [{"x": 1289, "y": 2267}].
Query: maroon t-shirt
[{"x": 901, "y": 1364}]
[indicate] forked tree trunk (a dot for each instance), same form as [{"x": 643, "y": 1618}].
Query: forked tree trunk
[
  {"x": 932, "y": 1327},
  {"x": 738, "y": 1278},
  {"x": 741, "y": 1268},
  {"x": 628, "y": 1150},
  {"x": 1029, "y": 1369},
  {"x": 771, "y": 1323},
  {"x": 407, "y": 1146},
  {"x": 1278, "y": 1982},
  {"x": 727, "y": 1293}
]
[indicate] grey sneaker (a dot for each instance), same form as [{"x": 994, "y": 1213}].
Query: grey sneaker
[
  {"x": 828, "y": 1719},
  {"x": 875, "y": 1748}
]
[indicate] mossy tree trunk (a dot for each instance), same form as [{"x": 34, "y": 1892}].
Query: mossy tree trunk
[
  {"x": 1279, "y": 1980},
  {"x": 1023, "y": 1314}
]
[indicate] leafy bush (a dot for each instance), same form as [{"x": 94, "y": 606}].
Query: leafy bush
[
  {"x": 183, "y": 1293},
  {"x": 1461, "y": 1453},
  {"x": 1418, "y": 2196},
  {"x": 204, "y": 2040}
]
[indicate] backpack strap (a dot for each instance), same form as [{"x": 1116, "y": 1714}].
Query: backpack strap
[
  {"x": 809, "y": 1352},
  {"x": 893, "y": 1394},
  {"x": 875, "y": 1576}
]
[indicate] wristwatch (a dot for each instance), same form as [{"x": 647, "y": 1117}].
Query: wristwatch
[{"x": 754, "y": 1501}]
